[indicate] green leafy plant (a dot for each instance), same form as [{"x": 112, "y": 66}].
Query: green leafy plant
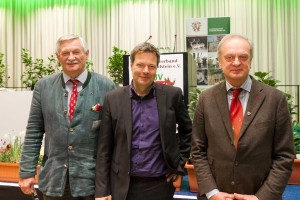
[
  {"x": 89, "y": 65},
  {"x": 296, "y": 134},
  {"x": 12, "y": 152},
  {"x": 3, "y": 69},
  {"x": 37, "y": 69},
  {"x": 266, "y": 78},
  {"x": 115, "y": 65},
  {"x": 194, "y": 98}
]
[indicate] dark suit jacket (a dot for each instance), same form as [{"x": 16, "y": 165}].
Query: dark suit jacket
[
  {"x": 263, "y": 162},
  {"x": 114, "y": 150}
]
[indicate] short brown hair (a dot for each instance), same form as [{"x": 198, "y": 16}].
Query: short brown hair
[{"x": 144, "y": 47}]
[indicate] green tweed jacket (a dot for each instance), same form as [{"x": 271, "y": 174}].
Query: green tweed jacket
[{"x": 69, "y": 147}]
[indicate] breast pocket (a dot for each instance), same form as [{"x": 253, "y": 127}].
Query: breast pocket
[{"x": 96, "y": 125}]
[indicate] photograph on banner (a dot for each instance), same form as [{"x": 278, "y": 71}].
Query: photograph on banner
[{"x": 202, "y": 38}]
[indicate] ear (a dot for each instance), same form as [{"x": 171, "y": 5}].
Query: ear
[
  {"x": 87, "y": 53},
  {"x": 131, "y": 64}
]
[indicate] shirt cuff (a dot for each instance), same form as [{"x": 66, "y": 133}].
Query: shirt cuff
[{"x": 212, "y": 193}]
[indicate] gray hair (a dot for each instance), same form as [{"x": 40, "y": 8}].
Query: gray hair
[
  {"x": 71, "y": 37},
  {"x": 227, "y": 37},
  {"x": 144, "y": 47}
]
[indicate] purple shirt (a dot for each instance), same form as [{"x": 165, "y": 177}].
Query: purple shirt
[{"x": 146, "y": 149}]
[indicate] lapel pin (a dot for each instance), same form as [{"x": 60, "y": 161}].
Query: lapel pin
[{"x": 248, "y": 113}]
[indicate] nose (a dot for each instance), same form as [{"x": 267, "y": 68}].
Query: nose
[
  {"x": 146, "y": 69},
  {"x": 71, "y": 56},
  {"x": 236, "y": 61}
]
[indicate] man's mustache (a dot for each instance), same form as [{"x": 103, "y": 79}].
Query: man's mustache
[{"x": 72, "y": 62}]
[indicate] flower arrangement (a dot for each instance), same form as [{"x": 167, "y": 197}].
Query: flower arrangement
[{"x": 12, "y": 152}]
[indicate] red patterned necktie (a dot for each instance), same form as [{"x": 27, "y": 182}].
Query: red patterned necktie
[
  {"x": 73, "y": 99},
  {"x": 236, "y": 115}
]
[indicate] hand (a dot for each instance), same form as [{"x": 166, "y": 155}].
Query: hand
[
  {"x": 27, "y": 185},
  {"x": 245, "y": 197},
  {"x": 222, "y": 196},
  {"x": 104, "y": 198},
  {"x": 171, "y": 177}
]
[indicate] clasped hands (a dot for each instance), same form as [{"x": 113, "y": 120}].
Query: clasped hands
[{"x": 235, "y": 196}]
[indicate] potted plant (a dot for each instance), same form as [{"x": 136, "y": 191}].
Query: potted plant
[
  {"x": 9, "y": 161},
  {"x": 115, "y": 65},
  {"x": 3, "y": 69},
  {"x": 193, "y": 100},
  {"x": 36, "y": 69},
  {"x": 295, "y": 176}
]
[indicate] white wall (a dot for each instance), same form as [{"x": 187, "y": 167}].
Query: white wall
[{"x": 14, "y": 112}]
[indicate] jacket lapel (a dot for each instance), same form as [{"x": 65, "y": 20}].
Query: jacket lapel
[
  {"x": 126, "y": 109},
  {"x": 161, "y": 106},
  {"x": 222, "y": 104},
  {"x": 256, "y": 98}
]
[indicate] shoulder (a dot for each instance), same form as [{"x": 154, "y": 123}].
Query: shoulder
[
  {"x": 50, "y": 79},
  {"x": 167, "y": 88},
  {"x": 258, "y": 87},
  {"x": 101, "y": 81},
  {"x": 100, "y": 77},
  {"x": 214, "y": 90},
  {"x": 119, "y": 91}
]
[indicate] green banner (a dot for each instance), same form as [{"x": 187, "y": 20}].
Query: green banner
[{"x": 218, "y": 25}]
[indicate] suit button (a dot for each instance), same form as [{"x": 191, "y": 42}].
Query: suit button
[
  {"x": 232, "y": 183},
  {"x": 65, "y": 112},
  {"x": 65, "y": 165},
  {"x": 236, "y": 163},
  {"x": 70, "y": 148},
  {"x": 71, "y": 129}
]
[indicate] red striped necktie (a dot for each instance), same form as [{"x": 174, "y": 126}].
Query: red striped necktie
[
  {"x": 236, "y": 115},
  {"x": 73, "y": 99}
]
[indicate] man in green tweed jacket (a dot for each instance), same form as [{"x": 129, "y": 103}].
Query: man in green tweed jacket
[{"x": 68, "y": 168}]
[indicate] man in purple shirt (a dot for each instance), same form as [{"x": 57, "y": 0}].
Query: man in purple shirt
[{"x": 145, "y": 135}]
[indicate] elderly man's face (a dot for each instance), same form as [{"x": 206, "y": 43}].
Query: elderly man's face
[{"x": 235, "y": 60}]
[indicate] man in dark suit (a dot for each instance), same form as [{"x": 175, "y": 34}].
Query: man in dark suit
[
  {"x": 70, "y": 126},
  {"x": 256, "y": 161},
  {"x": 145, "y": 135}
]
